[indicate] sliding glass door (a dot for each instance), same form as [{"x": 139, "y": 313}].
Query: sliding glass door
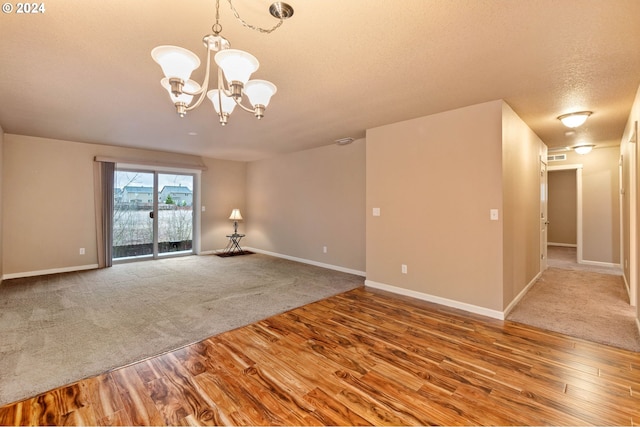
[
  {"x": 152, "y": 214},
  {"x": 175, "y": 213}
]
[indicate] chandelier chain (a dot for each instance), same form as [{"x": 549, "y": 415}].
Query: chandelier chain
[
  {"x": 246, "y": 24},
  {"x": 217, "y": 28}
]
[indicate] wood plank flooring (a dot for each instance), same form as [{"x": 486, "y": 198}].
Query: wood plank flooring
[{"x": 364, "y": 357}]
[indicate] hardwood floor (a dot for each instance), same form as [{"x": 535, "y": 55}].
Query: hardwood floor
[{"x": 362, "y": 357}]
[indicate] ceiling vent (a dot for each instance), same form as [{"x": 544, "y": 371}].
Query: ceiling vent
[{"x": 557, "y": 158}]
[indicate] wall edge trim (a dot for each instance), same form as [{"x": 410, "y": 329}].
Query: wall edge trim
[
  {"x": 600, "y": 264},
  {"x": 50, "y": 271},
  {"x": 522, "y": 293},
  {"x": 564, "y": 245},
  {"x": 483, "y": 311},
  {"x": 308, "y": 261}
]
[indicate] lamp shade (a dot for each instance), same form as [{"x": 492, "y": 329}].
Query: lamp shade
[
  {"x": 573, "y": 120},
  {"x": 228, "y": 104},
  {"x": 236, "y": 65},
  {"x": 189, "y": 86},
  {"x": 235, "y": 215},
  {"x": 175, "y": 61},
  {"x": 259, "y": 92}
]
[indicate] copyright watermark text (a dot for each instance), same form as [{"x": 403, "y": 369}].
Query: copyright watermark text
[{"x": 24, "y": 8}]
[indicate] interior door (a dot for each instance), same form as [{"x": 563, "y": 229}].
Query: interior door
[{"x": 544, "y": 221}]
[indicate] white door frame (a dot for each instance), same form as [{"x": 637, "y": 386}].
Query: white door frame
[
  {"x": 544, "y": 213},
  {"x": 578, "y": 169},
  {"x": 633, "y": 218}
]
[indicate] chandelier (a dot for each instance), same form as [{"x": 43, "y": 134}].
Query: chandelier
[{"x": 234, "y": 70}]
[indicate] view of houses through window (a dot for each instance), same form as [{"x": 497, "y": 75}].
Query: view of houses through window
[{"x": 135, "y": 212}]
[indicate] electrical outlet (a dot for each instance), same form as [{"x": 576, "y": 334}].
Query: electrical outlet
[
  {"x": 404, "y": 268},
  {"x": 324, "y": 249},
  {"x": 81, "y": 251},
  {"x": 376, "y": 212}
]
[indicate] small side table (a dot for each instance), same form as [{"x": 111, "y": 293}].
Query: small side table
[{"x": 234, "y": 243}]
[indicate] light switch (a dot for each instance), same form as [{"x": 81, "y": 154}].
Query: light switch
[
  {"x": 493, "y": 214},
  {"x": 376, "y": 211}
]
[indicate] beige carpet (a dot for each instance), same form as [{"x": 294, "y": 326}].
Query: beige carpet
[
  {"x": 583, "y": 304},
  {"x": 58, "y": 329},
  {"x": 566, "y": 258}
]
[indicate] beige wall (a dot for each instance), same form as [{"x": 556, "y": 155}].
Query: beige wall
[
  {"x": 48, "y": 202},
  {"x": 1, "y": 196},
  {"x": 223, "y": 189},
  {"x": 631, "y": 202},
  {"x": 300, "y": 202},
  {"x": 563, "y": 211},
  {"x": 600, "y": 203},
  {"x": 521, "y": 153},
  {"x": 435, "y": 179}
]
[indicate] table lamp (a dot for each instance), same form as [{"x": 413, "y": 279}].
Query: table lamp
[{"x": 235, "y": 216}]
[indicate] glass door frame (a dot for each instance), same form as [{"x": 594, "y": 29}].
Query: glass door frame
[{"x": 195, "y": 234}]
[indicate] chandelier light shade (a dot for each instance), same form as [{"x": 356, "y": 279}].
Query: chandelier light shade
[
  {"x": 184, "y": 98},
  {"x": 259, "y": 92},
  {"x": 235, "y": 68},
  {"x": 573, "y": 120},
  {"x": 175, "y": 61},
  {"x": 217, "y": 98},
  {"x": 236, "y": 65}
]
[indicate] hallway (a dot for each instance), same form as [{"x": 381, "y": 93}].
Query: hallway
[
  {"x": 580, "y": 300},
  {"x": 566, "y": 258}
]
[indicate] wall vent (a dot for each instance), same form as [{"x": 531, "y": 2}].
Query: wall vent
[{"x": 557, "y": 157}]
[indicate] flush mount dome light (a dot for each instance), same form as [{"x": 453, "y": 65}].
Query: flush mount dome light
[
  {"x": 573, "y": 120},
  {"x": 583, "y": 148}
]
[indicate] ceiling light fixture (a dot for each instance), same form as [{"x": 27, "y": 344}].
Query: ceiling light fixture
[
  {"x": 234, "y": 70},
  {"x": 583, "y": 148},
  {"x": 344, "y": 141},
  {"x": 573, "y": 120}
]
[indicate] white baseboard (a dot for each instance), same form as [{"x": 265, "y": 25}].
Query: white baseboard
[
  {"x": 51, "y": 271},
  {"x": 522, "y": 293},
  {"x": 600, "y": 264},
  {"x": 564, "y": 245},
  {"x": 438, "y": 300},
  {"x": 626, "y": 286},
  {"x": 308, "y": 261}
]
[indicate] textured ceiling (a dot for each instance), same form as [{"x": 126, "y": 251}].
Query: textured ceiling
[{"x": 82, "y": 70}]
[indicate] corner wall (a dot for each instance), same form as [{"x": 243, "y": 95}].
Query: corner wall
[
  {"x": 435, "y": 180},
  {"x": 222, "y": 190},
  {"x": 300, "y": 202},
  {"x": 521, "y": 167},
  {"x": 630, "y": 153},
  {"x": 1, "y": 197}
]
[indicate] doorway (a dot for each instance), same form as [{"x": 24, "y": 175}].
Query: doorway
[
  {"x": 153, "y": 214},
  {"x": 565, "y": 214}
]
